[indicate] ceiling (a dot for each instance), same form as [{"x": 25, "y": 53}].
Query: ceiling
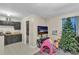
[{"x": 45, "y": 10}]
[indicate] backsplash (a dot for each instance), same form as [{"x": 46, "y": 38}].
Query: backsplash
[{"x": 8, "y": 29}]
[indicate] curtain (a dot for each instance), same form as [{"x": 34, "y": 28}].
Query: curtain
[{"x": 73, "y": 21}]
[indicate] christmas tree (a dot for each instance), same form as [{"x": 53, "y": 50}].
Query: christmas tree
[{"x": 68, "y": 41}]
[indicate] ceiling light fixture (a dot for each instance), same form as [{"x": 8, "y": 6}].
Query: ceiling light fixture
[{"x": 8, "y": 13}]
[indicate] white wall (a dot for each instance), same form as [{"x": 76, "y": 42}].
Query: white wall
[
  {"x": 34, "y": 22},
  {"x": 12, "y": 19},
  {"x": 2, "y": 18},
  {"x": 54, "y": 23}
]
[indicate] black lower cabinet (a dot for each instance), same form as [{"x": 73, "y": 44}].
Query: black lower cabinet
[{"x": 12, "y": 39}]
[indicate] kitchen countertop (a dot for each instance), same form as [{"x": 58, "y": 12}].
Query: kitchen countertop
[
  {"x": 9, "y": 33},
  {"x": 13, "y": 34}
]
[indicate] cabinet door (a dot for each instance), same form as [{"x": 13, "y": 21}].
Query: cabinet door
[
  {"x": 8, "y": 40},
  {"x": 1, "y": 22},
  {"x": 10, "y": 23},
  {"x": 12, "y": 39},
  {"x": 6, "y": 23},
  {"x": 19, "y": 38},
  {"x": 17, "y": 25}
]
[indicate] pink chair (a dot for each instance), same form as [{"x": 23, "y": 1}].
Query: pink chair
[{"x": 47, "y": 45}]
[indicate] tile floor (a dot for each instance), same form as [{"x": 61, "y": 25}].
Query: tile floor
[
  {"x": 19, "y": 49},
  {"x": 22, "y": 49},
  {"x": 59, "y": 52}
]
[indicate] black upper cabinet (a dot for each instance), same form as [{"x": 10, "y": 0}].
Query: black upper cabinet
[
  {"x": 6, "y": 23},
  {"x": 11, "y": 23},
  {"x": 17, "y": 25},
  {"x": 1, "y": 22}
]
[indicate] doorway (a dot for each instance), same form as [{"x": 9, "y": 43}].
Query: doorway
[{"x": 27, "y": 32}]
